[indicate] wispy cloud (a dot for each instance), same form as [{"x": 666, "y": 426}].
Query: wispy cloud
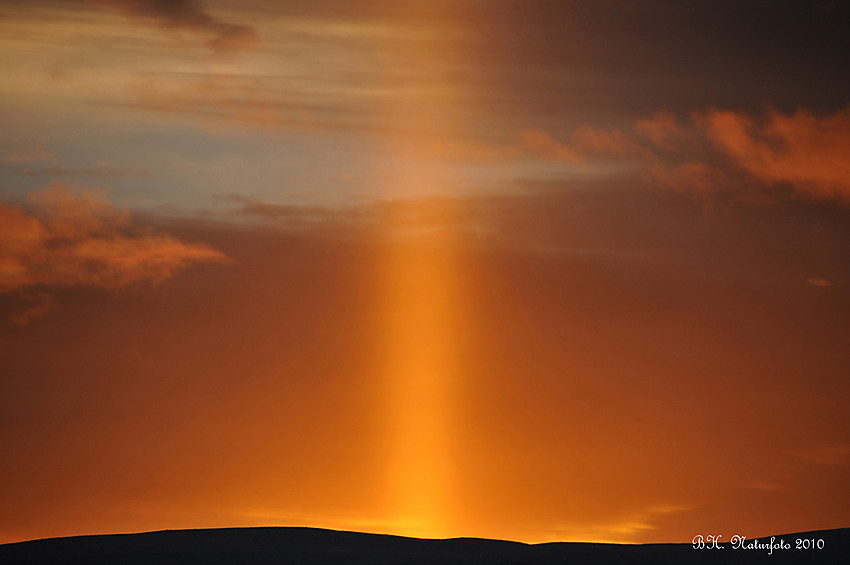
[
  {"x": 837, "y": 455},
  {"x": 624, "y": 530},
  {"x": 187, "y": 16},
  {"x": 35, "y": 154},
  {"x": 276, "y": 212},
  {"x": 218, "y": 99},
  {"x": 98, "y": 172}
]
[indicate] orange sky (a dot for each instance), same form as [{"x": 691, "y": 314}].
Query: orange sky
[{"x": 510, "y": 270}]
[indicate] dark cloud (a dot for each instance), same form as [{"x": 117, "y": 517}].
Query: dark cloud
[
  {"x": 34, "y": 306},
  {"x": 562, "y": 61},
  {"x": 284, "y": 215},
  {"x": 622, "y": 217},
  {"x": 189, "y": 16},
  {"x": 544, "y": 64}
]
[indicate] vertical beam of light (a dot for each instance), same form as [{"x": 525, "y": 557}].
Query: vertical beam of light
[
  {"x": 420, "y": 370},
  {"x": 419, "y": 302}
]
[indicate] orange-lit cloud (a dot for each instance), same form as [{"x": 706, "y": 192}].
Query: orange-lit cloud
[
  {"x": 808, "y": 152},
  {"x": 187, "y": 16},
  {"x": 593, "y": 142},
  {"x": 823, "y": 283},
  {"x": 70, "y": 239},
  {"x": 710, "y": 152},
  {"x": 539, "y": 143},
  {"x": 662, "y": 130},
  {"x": 719, "y": 150}
]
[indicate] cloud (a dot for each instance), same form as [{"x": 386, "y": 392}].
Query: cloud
[
  {"x": 38, "y": 305},
  {"x": 282, "y": 213},
  {"x": 838, "y": 455},
  {"x": 807, "y": 152},
  {"x": 539, "y": 143},
  {"x": 692, "y": 176},
  {"x": 722, "y": 151},
  {"x": 621, "y": 529},
  {"x": 219, "y": 98},
  {"x": 535, "y": 144},
  {"x": 588, "y": 141},
  {"x": 188, "y": 16},
  {"x": 74, "y": 238},
  {"x": 662, "y": 130},
  {"x": 101, "y": 172},
  {"x": 823, "y": 283},
  {"x": 35, "y": 154}
]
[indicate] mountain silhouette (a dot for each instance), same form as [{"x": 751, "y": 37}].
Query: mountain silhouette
[{"x": 309, "y": 546}]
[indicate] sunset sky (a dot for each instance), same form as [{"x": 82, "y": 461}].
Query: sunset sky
[{"x": 525, "y": 269}]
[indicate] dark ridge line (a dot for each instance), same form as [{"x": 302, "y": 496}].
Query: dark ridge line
[{"x": 313, "y": 529}]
